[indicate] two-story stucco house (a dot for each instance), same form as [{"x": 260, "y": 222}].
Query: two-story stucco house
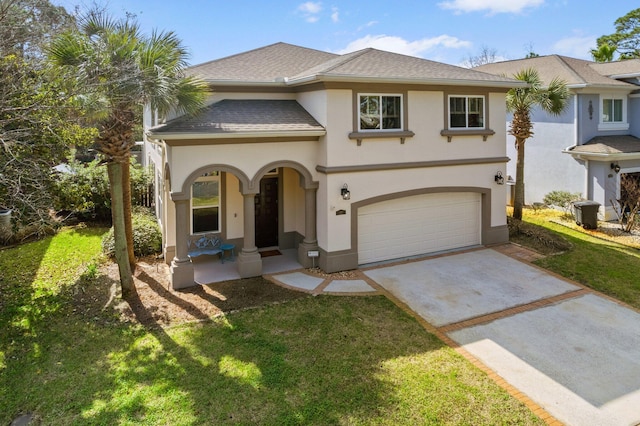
[
  {"x": 594, "y": 142},
  {"x": 358, "y": 158}
]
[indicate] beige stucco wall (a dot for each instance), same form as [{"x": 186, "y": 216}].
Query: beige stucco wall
[
  {"x": 293, "y": 202},
  {"x": 248, "y": 157},
  {"x": 425, "y": 118},
  {"x": 234, "y": 218}
]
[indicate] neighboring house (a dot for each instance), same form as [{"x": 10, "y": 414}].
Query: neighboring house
[
  {"x": 363, "y": 157},
  {"x": 594, "y": 142}
]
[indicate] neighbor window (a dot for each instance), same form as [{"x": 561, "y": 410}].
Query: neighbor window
[
  {"x": 612, "y": 111},
  {"x": 380, "y": 112},
  {"x": 613, "y": 115},
  {"x": 466, "y": 112},
  {"x": 205, "y": 204}
]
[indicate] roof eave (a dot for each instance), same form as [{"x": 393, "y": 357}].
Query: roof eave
[
  {"x": 603, "y": 156},
  {"x": 621, "y": 87},
  {"x": 431, "y": 81},
  {"x": 627, "y": 75},
  {"x": 247, "y": 83},
  {"x": 234, "y": 135}
]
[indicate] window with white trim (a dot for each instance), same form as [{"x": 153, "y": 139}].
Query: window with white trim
[
  {"x": 205, "y": 204},
  {"x": 380, "y": 112},
  {"x": 613, "y": 113},
  {"x": 466, "y": 112},
  {"x": 612, "y": 110}
]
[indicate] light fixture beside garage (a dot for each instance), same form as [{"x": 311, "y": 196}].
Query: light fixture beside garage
[
  {"x": 615, "y": 167},
  {"x": 499, "y": 178},
  {"x": 344, "y": 192}
]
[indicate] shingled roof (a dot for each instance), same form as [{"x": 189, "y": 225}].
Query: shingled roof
[
  {"x": 267, "y": 64},
  {"x": 576, "y": 73},
  {"x": 284, "y": 64},
  {"x": 618, "y": 69},
  {"x": 235, "y": 118},
  {"x": 608, "y": 146}
]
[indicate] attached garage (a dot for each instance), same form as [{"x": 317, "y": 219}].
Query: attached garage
[{"x": 417, "y": 225}]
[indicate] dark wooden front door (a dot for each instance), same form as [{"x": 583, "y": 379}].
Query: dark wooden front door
[{"x": 266, "y": 203}]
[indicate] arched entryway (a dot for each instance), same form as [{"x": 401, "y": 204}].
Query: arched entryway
[{"x": 221, "y": 199}]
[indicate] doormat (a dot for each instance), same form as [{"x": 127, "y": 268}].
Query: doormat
[{"x": 270, "y": 253}]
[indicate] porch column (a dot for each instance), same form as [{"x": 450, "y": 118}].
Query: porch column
[
  {"x": 249, "y": 260},
  {"x": 181, "y": 267},
  {"x": 310, "y": 241}
]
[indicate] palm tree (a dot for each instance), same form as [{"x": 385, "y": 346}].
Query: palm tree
[
  {"x": 520, "y": 101},
  {"x": 116, "y": 70},
  {"x": 604, "y": 52}
]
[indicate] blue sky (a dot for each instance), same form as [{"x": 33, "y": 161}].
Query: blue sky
[{"x": 448, "y": 31}]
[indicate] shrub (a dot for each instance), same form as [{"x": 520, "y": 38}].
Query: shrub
[
  {"x": 84, "y": 190},
  {"x": 562, "y": 200},
  {"x": 147, "y": 237}
]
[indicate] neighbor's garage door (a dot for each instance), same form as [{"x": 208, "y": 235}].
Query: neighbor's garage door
[{"x": 418, "y": 224}]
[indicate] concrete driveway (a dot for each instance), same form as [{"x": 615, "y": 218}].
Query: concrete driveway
[{"x": 572, "y": 351}]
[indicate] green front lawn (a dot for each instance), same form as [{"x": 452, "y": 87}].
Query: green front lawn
[
  {"x": 603, "y": 265},
  {"x": 317, "y": 360}
]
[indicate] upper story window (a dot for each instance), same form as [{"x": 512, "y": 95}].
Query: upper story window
[
  {"x": 380, "y": 112},
  {"x": 612, "y": 110},
  {"x": 205, "y": 204},
  {"x": 466, "y": 112},
  {"x": 613, "y": 114}
]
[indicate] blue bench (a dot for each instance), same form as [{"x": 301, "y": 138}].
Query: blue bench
[{"x": 204, "y": 245}]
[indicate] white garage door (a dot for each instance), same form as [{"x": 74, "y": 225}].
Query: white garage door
[{"x": 417, "y": 225}]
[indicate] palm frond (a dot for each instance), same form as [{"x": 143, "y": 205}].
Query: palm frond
[{"x": 68, "y": 49}]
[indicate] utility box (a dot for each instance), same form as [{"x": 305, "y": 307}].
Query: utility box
[{"x": 586, "y": 213}]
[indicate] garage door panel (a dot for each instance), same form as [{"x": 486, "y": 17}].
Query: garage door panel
[{"x": 418, "y": 225}]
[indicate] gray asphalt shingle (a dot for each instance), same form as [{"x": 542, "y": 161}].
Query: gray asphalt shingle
[
  {"x": 230, "y": 116},
  {"x": 575, "y": 72},
  {"x": 280, "y": 63},
  {"x": 624, "y": 144}
]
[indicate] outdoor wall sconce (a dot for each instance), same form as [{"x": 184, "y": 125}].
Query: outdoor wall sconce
[
  {"x": 615, "y": 167},
  {"x": 499, "y": 178},
  {"x": 344, "y": 192}
]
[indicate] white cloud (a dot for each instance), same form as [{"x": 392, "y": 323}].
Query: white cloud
[
  {"x": 310, "y": 7},
  {"x": 367, "y": 25},
  {"x": 576, "y": 46},
  {"x": 400, "y": 45},
  {"x": 335, "y": 15},
  {"x": 310, "y": 11},
  {"x": 490, "y": 6}
]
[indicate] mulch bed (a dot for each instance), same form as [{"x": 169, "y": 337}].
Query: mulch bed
[{"x": 152, "y": 304}]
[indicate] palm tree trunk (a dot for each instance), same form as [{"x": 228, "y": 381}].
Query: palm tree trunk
[
  {"x": 518, "y": 201},
  {"x": 128, "y": 226},
  {"x": 117, "y": 213}
]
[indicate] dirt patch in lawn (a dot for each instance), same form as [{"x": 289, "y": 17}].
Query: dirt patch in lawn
[{"x": 153, "y": 304}]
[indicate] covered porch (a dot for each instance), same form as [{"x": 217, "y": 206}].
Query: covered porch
[
  {"x": 209, "y": 269},
  {"x": 607, "y": 159}
]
